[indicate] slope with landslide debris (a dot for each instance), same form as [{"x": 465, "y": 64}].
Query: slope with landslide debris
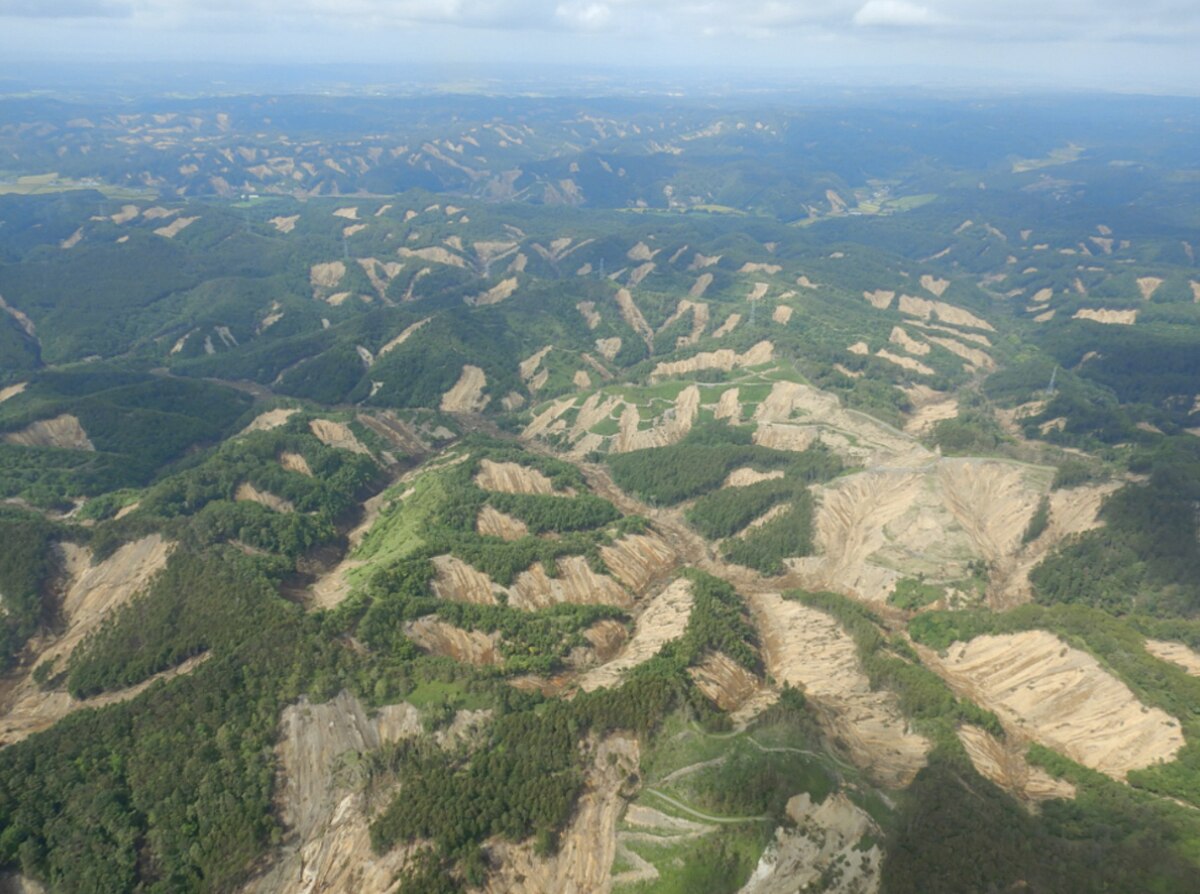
[{"x": 1045, "y": 690}]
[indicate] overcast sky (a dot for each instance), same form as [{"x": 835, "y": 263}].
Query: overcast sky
[{"x": 1115, "y": 44}]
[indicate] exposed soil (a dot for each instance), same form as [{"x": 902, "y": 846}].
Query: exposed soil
[
  {"x": 63, "y": 432},
  {"x": 822, "y": 851},
  {"x": 663, "y": 619},
  {"x": 1004, "y": 763},
  {"x": 248, "y": 492},
  {"x": 583, "y": 863},
  {"x": 512, "y": 478},
  {"x": 805, "y": 647},
  {"x": 1045, "y": 690},
  {"x": 491, "y": 522},
  {"x": 336, "y": 435},
  {"x": 1111, "y": 317},
  {"x": 467, "y": 394},
  {"x": 724, "y": 359},
  {"x": 1175, "y": 653}
]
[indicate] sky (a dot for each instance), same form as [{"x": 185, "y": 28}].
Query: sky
[{"x": 1147, "y": 45}]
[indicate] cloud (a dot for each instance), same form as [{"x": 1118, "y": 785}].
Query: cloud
[
  {"x": 584, "y": 16},
  {"x": 895, "y": 14},
  {"x": 65, "y": 9}
]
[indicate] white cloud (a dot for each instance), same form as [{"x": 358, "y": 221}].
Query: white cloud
[
  {"x": 584, "y": 16},
  {"x": 895, "y": 14}
]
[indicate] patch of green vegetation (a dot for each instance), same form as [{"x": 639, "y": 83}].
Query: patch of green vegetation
[
  {"x": 724, "y": 512},
  {"x": 912, "y": 593},
  {"x": 545, "y": 512},
  {"x": 783, "y": 537},
  {"x": 26, "y": 566},
  {"x": 1146, "y": 558},
  {"x": 702, "y": 460}
]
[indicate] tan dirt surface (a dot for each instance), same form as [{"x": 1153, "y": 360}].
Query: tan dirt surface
[
  {"x": 904, "y": 362},
  {"x": 91, "y": 594},
  {"x": 820, "y": 851},
  {"x": 807, "y": 648},
  {"x": 639, "y": 273},
  {"x": 583, "y": 863},
  {"x": 974, "y": 356},
  {"x": 794, "y": 414},
  {"x": 1148, "y": 285},
  {"x": 347, "y": 213},
  {"x": 249, "y": 493},
  {"x": 269, "y": 420},
  {"x": 782, "y": 314},
  {"x": 1072, "y": 511},
  {"x": 633, "y": 317},
  {"x": 31, "y": 709},
  {"x": 700, "y": 286},
  {"x": 1175, "y": 653},
  {"x": 663, "y": 619},
  {"x": 724, "y": 681},
  {"x": 588, "y": 310},
  {"x": 1004, "y": 763},
  {"x": 669, "y": 428},
  {"x": 436, "y": 254},
  {"x": 530, "y": 364},
  {"x": 606, "y": 638},
  {"x": 947, "y": 313},
  {"x": 576, "y": 584},
  {"x": 456, "y": 581},
  {"x": 327, "y": 847},
  {"x": 1100, "y": 315},
  {"x": 638, "y": 560},
  {"x": 327, "y": 275},
  {"x": 769, "y": 269},
  {"x": 927, "y": 415},
  {"x": 294, "y": 462},
  {"x": 512, "y": 478},
  {"x": 608, "y": 347},
  {"x": 747, "y": 476},
  {"x": 171, "y": 230},
  {"x": 12, "y": 391},
  {"x": 285, "y": 224},
  {"x": 379, "y": 273},
  {"x": 880, "y": 299},
  {"x": 907, "y": 342},
  {"x": 467, "y": 394},
  {"x": 728, "y": 326},
  {"x": 403, "y": 337},
  {"x": 723, "y": 358},
  {"x": 125, "y": 215},
  {"x": 63, "y": 432},
  {"x": 497, "y": 293},
  {"x": 699, "y": 312},
  {"x": 464, "y": 646},
  {"x": 1045, "y": 690},
  {"x": 336, "y": 435},
  {"x": 641, "y": 252},
  {"x": 491, "y": 522},
  {"x": 934, "y": 285},
  {"x": 728, "y": 406},
  {"x": 334, "y": 586}
]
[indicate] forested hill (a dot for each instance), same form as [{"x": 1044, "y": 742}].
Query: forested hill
[{"x": 483, "y": 493}]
